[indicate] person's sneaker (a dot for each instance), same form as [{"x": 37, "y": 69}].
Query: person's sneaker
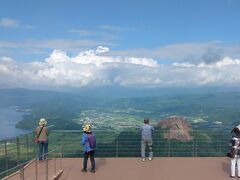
[
  {"x": 232, "y": 177},
  {"x": 143, "y": 159},
  {"x": 150, "y": 159},
  {"x": 84, "y": 170},
  {"x": 92, "y": 171}
]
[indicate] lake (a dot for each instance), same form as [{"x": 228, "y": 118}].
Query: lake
[{"x": 8, "y": 119}]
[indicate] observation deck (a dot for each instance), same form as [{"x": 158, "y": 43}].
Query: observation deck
[{"x": 117, "y": 157}]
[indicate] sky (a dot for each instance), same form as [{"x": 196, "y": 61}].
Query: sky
[{"x": 61, "y": 44}]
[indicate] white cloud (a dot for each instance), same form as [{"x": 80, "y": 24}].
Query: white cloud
[
  {"x": 7, "y": 22},
  {"x": 13, "y": 23},
  {"x": 114, "y": 29},
  {"x": 29, "y": 27},
  {"x": 94, "y": 68},
  {"x": 193, "y": 53},
  {"x": 106, "y": 33},
  {"x": 225, "y": 62},
  {"x": 101, "y": 49},
  {"x": 111, "y": 28},
  {"x": 38, "y": 46},
  {"x": 207, "y": 52},
  {"x": 6, "y": 59},
  {"x": 82, "y": 32}
]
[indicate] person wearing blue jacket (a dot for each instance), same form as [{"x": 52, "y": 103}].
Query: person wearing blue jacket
[{"x": 89, "y": 145}]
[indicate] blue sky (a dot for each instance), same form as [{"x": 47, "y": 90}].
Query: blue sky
[{"x": 169, "y": 32}]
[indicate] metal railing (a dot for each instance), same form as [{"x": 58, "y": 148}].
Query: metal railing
[
  {"x": 195, "y": 143},
  {"x": 18, "y": 152},
  {"x": 49, "y": 168},
  {"x": 15, "y": 151}
]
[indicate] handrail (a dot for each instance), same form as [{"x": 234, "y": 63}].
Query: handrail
[
  {"x": 115, "y": 143},
  {"x": 123, "y": 144},
  {"x": 21, "y": 168}
]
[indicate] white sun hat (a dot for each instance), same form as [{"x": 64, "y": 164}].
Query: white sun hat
[{"x": 42, "y": 121}]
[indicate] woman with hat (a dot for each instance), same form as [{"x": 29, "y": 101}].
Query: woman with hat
[
  {"x": 42, "y": 139},
  {"x": 235, "y": 151},
  {"x": 89, "y": 145}
]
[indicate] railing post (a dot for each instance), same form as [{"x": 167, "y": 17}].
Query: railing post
[
  {"x": 169, "y": 147},
  {"x": 27, "y": 146},
  {"x": 220, "y": 143},
  {"x": 55, "y": 170},
  {"x": 46, "y": 166},
  {"x": 34, "y": 144},
  {"x": 193, "y": 148},
  {"x": 196, "y": 149},
  {"x": 22, "y": 172},
  {"x": 18, "y": 151},
  {"x": 6, "y": 155},
  {"x": 36, "y": 168},
  {"x": 116, "y": 148},
  {"x": 61, "y": 156}
]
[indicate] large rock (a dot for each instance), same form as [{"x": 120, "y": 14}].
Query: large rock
[{"x": 176, "y": 128}]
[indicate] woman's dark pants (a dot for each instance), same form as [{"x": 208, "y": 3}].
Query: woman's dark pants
[{"x": 86, "y": 155}]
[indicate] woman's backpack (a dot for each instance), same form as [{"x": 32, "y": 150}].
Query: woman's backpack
[
  {"x": 232, "y": 153},
  {"x": 92, "y": 140},
  {"x": 234, "y": 143}
]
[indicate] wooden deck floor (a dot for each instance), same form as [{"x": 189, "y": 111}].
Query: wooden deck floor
[
  {"x": 162, "y": 168},
  {"x": 158, "y": 169}
]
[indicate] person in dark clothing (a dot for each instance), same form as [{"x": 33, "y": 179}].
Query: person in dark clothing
[{"x": 89, "y": 145}]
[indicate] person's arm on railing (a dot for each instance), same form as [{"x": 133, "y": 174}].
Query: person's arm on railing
[{"x": 152, "y": 129}]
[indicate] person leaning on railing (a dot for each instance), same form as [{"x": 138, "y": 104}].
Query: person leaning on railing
[
  {"x": 42, "y": 139},
  {"x": 89, "y": 145},
  {"x": 146, "y": 132},
  {"x": 234, "y": 152}
]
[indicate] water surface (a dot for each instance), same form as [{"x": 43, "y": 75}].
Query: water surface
[{"x": 8, "y": 119}]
